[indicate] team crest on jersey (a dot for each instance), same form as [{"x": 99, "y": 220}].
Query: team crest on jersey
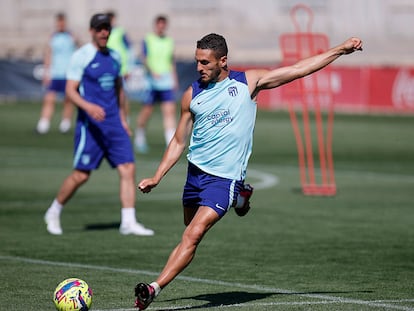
[
  {"x": 232, "y": 91},
  {"x": 86, "y": 159}
]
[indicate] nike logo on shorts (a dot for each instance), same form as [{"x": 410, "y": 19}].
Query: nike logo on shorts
[{"x": 219, "y": 207}]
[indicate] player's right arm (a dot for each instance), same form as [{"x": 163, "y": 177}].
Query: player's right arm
[
  {"x": 176, "y": 147},
  {"x": 47, "y": 59},
  {"x": 76, "y": 68},
  {"x": 94, "y": 111}
]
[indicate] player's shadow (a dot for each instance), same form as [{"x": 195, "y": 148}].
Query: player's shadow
[
  {"x": 221, "y": 299},
  {"x": 103, "y": 226},
  {"x": 235, "y": 298}
]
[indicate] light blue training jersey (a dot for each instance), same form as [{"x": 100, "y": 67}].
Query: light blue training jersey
[
  {"x": 62, "y": 46},
  {"x": 224, "y": 119}
]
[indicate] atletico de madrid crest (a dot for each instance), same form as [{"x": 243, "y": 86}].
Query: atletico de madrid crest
[{"x": 232, "y": 91}]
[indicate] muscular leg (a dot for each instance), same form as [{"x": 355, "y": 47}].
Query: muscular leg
[
  {"x": 129, "y": 224},
  {"x": 184, "y": 252},
  {"x": 127, "y": 184},
  {"x": 76, "y": 179},
  {"x": 66, "y": 191}
]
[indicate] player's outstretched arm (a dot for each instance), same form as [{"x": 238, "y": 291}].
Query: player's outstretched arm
[
  {"x": 175, "y": 148},
  {"x": 268, "y": 79}
]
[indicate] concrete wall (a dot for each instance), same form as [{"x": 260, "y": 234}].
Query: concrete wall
[{"x": 252, "y": 28}]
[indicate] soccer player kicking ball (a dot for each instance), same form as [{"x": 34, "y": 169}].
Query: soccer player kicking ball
[{"x": 219, "y": 112}]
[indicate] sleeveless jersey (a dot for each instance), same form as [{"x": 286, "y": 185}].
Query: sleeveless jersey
[
  {"x": 159, "y": 52},
  {"x": 224, "y": 118},
  {"x": 118, "y": 42}
]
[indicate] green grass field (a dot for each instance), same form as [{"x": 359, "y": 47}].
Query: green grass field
[{"x": 353, "y": 251}]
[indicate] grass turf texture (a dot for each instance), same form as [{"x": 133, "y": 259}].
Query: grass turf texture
[{"x": 353, "y": 251}]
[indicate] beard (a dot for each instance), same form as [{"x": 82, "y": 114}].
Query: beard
[{"x": 210, "y": 77}]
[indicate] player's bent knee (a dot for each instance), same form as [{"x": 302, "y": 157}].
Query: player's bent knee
[
  {"x": 80, "y": 177},
  {"x": 193, "y": 234}
]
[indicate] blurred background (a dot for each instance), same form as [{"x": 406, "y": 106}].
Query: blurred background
[{"x": 252, "y": 30}]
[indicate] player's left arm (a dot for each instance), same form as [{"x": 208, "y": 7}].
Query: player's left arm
[
  {"x": 122, "y": 102},
  {"x": 267, "y": 79},
  {"x": 75, "y": 39},
  {"x": 46, "y": 64}
]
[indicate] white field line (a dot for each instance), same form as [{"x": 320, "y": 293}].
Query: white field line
[
  {"x": 366, "y": 175},
  {"x": 262, "y": 180},
  {"x": 254, "y": 168},
  {"x": 258, "y": 167},
  {"x": 265, "y": 180},
  {"x": 325, "y": 299}
]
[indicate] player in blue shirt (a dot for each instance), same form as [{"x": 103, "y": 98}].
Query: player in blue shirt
[
  {"x": 218, "y": 111},
  {"x": 94, "y": 84}
]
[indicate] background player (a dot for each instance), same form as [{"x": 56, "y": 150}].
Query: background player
[
  {"x": 95, "y": 86},
  {"x": 60, "y": 48},
  {"x": 120, "y": 42},
  {"x": 158, "y": 58}
]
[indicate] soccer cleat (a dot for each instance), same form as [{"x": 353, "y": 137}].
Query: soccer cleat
[
  {"x": 52, "y": 221},
  {"x": 144, "y": 295},
  {"x": 135, "y": 228},
  {"x": 243, "y": 204}
]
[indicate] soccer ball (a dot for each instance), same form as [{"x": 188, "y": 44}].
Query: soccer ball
[{"x": 73, "y": 294}]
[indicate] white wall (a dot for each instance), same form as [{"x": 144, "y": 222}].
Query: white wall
[{"x": 251, "y": 27}]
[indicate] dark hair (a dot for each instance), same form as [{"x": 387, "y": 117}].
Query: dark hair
[
  {"x": 111, "y": 15},
  {"x": 213, "y": 42},
  {"x": 60, "y": 16},
  {"x": 161, "y": 18}
]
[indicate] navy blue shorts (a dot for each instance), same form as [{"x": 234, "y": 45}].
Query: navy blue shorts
[
  {"x": 57, "y": 85},
  {"x": 156, "y": 96},
  {"x": 203, "y": 189},
  {"x": 93, "y": 143}
]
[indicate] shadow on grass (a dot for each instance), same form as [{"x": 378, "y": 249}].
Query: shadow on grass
[
  {"x": 107, "y": 226},
  {"x": 234, "y": 298},
  {"x": 221, "y": 299}
]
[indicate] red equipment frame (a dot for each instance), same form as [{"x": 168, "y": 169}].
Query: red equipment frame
[{"x": 311, "y": 94}]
